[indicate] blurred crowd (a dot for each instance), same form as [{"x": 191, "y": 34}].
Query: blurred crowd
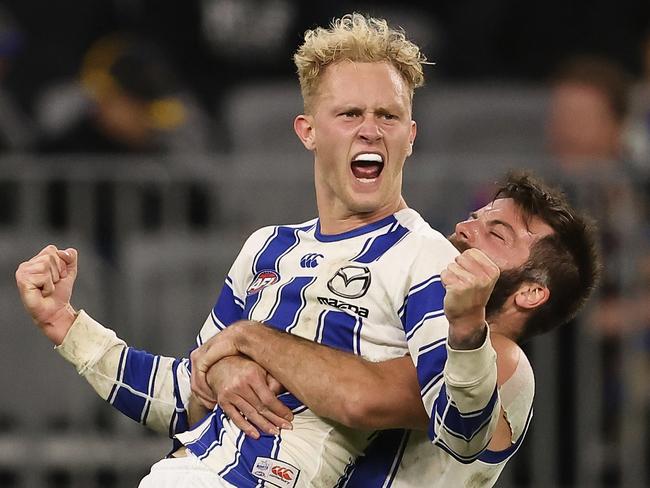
[{"x": 144, "y": 77}]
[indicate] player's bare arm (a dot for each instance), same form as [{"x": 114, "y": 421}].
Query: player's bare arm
[
  {"x": 45, "y": 285},
  {"x": 376, "y": 385},
  {"x": 377, "y": 395}
]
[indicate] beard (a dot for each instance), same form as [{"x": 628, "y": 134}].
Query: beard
[
  {"x": 507, "y": 284},
  {"x": 458, "y": 244}
]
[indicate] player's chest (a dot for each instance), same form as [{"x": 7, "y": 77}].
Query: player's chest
[{"x": 317, "y": 287}]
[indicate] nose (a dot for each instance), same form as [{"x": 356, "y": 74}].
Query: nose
[
  {"x": 467, "y": 231},
  {"x": 369, "y": 130}
]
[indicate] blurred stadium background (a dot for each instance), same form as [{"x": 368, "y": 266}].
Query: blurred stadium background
[{"x": 155, "y": 136}]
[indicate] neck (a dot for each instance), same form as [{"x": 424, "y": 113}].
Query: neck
[
  {"x": 507, "y": 323},
  {"x": 334, "y": 221}
]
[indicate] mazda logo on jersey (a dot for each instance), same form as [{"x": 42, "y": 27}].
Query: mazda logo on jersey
[
  {"x": 350, "y": 281},
  {"x": 262, "y": 280}
]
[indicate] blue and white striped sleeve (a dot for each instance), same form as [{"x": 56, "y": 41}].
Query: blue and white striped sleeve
[
  {"x": 150, "y": 389},
  {"x": 458, "y": 388},
  {"x": 153, "y": 390}
]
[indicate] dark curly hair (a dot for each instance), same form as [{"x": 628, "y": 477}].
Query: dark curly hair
[{"x": 567, "y": 261}]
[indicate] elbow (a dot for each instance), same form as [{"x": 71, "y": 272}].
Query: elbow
[
  {"x": 356, "y": 413},
  {"x": 359, "y": 412}
]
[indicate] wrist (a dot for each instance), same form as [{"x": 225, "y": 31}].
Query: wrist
[
  {"x": 57, "y": 326},
  {"x": 467, "y": 332},
  {"x": 241, "y": 336},
  {"x": 248, "y": 338}
]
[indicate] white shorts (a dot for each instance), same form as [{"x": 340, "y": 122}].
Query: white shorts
[{"x": 183, "y": 472}]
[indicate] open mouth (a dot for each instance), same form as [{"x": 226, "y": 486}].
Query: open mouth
[{"x": 366, "y": 167}]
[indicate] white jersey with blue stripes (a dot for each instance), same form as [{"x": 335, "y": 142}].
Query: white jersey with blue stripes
[{"x": 374, "y": 291}]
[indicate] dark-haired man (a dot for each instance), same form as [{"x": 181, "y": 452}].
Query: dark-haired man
[{"x": 549, "y": 266}]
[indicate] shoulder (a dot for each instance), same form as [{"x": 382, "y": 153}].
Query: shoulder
[
  {"x": 511, "y": 359},
  {"x": 508, "y": 355},
  {"x": 427, "y": 243}
]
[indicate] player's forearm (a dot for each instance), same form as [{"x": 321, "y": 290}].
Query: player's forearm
[
  {"x": 336, "y": 384},
  {"x": 465, "y": 412}
]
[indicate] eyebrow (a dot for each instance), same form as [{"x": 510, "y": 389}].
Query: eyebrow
[{"x": 508, "y": 227}]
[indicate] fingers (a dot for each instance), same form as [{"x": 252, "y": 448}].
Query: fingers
[
  {"x": 256, "y": 414},
  {"x": 253, "y": 398},
  {"x": 472, "y": 267},
  {"x": 241, "y": 384},
  {"x": 69, "y": 258},
  {"x": 41, "y": 272},
  {"x": 273, "y": 409},
  {"x": 46, "y": 268},
  {"x": 238, "y": 419},
  {"x": 250, "y": 415}
]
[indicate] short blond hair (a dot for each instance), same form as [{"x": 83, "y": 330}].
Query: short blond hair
[{"x": 357, "y": 38}]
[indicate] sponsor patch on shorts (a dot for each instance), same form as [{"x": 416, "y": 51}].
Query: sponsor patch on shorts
[{"x": 275, "y": 472}]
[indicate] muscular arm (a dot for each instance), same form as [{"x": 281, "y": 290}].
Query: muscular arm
[
  {"x": 336, "y": 384},
  {"x": 353, "y": 391}
]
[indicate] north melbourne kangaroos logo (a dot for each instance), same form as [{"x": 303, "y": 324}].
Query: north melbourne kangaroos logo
[{"x": 350, "y": 281}]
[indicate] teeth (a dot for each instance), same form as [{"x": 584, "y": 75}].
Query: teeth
[
  {"x": 369, "y": 157},
  {"x": 366, "y": 180}
]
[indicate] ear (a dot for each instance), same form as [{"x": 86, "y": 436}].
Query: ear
[
  {"x": 530, "y": 296},
  {"x": 304, "y": 128},
  {"x": 414, "y": 131}
]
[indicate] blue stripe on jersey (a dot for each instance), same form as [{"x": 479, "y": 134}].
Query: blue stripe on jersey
[
  {"x": 291, "y": 402},
  {"x": 378, "y": 467},
  {"x": 279, "y": 244},
  {"x": 211, "y": 435},
  {"x": 353, "y": 233},
  {"x": 251, "y": 301},
  {"x": 496, "y": 457},
  {"x": 152, "y": 386},
  {"x": 319, "y": 326},
  {"x": 289, "y": 302},
  {"x": 381, "y": 244},
  {"x": 462, "y": 425},
  {"x": 136, "y": 377},
  {"x": 431, "y": 363},
  {"x": 264, "y": 247},
  {"x": 227, "y": 310},
  {"x": 240, "y": 473},
  {"x": 179, "y": 421},
  {"x": 424, "y": 301},
  {"x": 341, "y": 330}
]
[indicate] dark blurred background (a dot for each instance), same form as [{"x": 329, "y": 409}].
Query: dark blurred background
[{"x": 155, "y": 136}]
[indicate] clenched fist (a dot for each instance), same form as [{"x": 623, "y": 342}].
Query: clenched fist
[
  {"x": 45, "y": 285},
  {"x": 469, "y": 282}
]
